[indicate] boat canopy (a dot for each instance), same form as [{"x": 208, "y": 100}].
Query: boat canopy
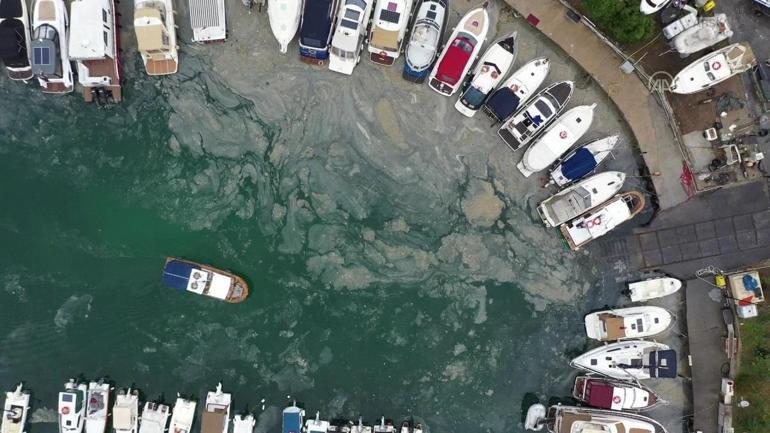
[
  {"x": 122, "y": 418},
  {"x": 316, "y": 23},
  {"x": 599, "y": 394},
  {"x": 11, "y": 9},
  {"x": 150, "y": 29},
  {"x": 45, "y": 51},
  {"x": 90, "y": 30},
  {"x": 13, "y": 45},
  {"x": 579, "y": 164},
  {"x": 177, "y": 274},
  {"x": 457, "y": 56},
  {"x": 663, "y": 363},
  {"x": 292, "y": 420},
  {"x": 503, "y": 103}
]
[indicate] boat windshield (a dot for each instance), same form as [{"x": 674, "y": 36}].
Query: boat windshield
[
  {"x": 389, "y": 16},
  {"x": 349, "y": 24},
  {"x": 474, "y": 97}
]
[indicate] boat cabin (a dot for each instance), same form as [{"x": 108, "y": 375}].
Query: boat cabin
[
  {"x": 154, "y": 418},
  {"x": 458, "y": 55},
  {"x": 46, "y": 62},
  {"x": 207, "y": 18},
  {"x": 315, "y": 32},
  {"x": 154, "y": 25},
  {"x": 614, "y": 395},
  {"x": 201, "y": 280}
]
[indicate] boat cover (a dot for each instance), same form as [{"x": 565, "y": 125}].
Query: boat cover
[
  {"x": 453, "y": 64},
  {"x": 292, "y": 421},
  {"x": 503, "y": 103},
  {"x": 316, "y": 24},
  {"x": 10, "y": 8},
  {"x": 579, "y": 164},
  {"x": 176, "y": 274},
  {"x": 13, "y": 46},
  {"x": 599, "y": 394},
  {"x": 663, "y": 363}
]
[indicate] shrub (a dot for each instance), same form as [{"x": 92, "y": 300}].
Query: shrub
[{"x": 622, "y": 19}]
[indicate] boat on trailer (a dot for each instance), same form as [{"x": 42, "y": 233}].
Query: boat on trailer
[
  {"x": 292, "y": 419},
  {"x": 348, "y": 40},
  {"x": 208, "y": 20},
  {"x": 625, "y": 323},
  {"x": 97, "y": 407},
  {"x": 629, "y": 360},
  {"x": 154, "y": 418},
  {"x": 601, "y": 220},
  {"x": 204, "y": 280},
  {"x": 533, "y": 117},
  {"x": 460, "y": 52},
  {"x": 125, "y": 411},
  {"x": 316, "y": 30},
  {"x": 244, "y": 423},
  {"x": 582, "y": 161},
  {"x": 490, "y": 70},
  {"x": 156, "y": 36},
  {"x": 425, "y": 39},
  {"x": 216, "y": 413},
  {"x": 182, "y": 415},
  {"x": 15, "y": 39},
  {"x": 580, "y": 198},
  {"x": 572, "y": 419},
  {"x": 284, "y": 16},
  {"x": 613, "y": 394},
  {"x": 713, "y": 68},
  {"x": 15, "y": 410},
  {"x": 94, "y": 45},
  {"x": 517, "y": 89},
  {"x": 653, "y": 288},
  {"x": 72, "y": 407},
  {"x": 389, "y": 24},
  {"x": 50, "y": 57}
]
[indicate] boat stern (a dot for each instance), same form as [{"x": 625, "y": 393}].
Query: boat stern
[
  {"x": 382, "y": 58},
  {"x": 414, "y": 76},
  {"x": 313, "y": 56},
  {"x": 441, "y": 87}
]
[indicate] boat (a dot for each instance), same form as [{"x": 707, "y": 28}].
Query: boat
[
  {"x": 284, "y": 16},
  {"x": 292, "y": 419},
  {"x": 572, "y": 419},
  {"x": 357, "y": 428},
  {"x": 97, "y": 405},
  {"x": 580, "y": 198},
  {"x": 315, "y": 30},
  {"x": 216, "y": 413},
  {"x": 348, "y": 39},
  {"x": 125, "y": 411},
  {"x": 713, "y": 68},
  {"x": 582, "y": 161},
  {"x": 204, "y": 280},
  {"x": 154, "y": 418},
  {"x": 653, "y": 288},
  {"x": 625, "y": 323},
  {"x": 385, "y": 426},
  {"x": 425, "y": 39},
  {"x": 15, "y": 410},
  {"x": 182, "y": 415},
  {"x": 460, "y": 52},
  {"x": 490, "y": 70},
  {"x": 50, "y": 59},
  {"x": 72, "y": 407},
  {"x": 156, "y": 36},
  {"x": 406, "y": 427},
  {"x": 533, "y": 117},
  {"x": 94, "y": 46},
  {"x": 389, "y": 23},
  {"x": 15, "y": 39},
  {"x": 613, "y": 394},
  {"x": 417, "y": 428},
  {"x": 708, "y": 32},
  {"x": 339, "y": 426},
  {"x": 316, "y": 425},
  {"x": 649, "y": 7},
  {"x": 535, "y": 419},
  {"x": 629, "y": 360},
  {"x": 517, "y": 89},
  {"x": 208, "y": 20},
  {"x": 244, "y": 423},
  {"x": 601, "y": 220}
]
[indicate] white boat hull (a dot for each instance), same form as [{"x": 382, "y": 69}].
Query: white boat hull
[
  {"x": 625, "y": 323},
  {"x": 615, "y": 360},
  {"x": 59, "y": 21},
  {"x": 284, "y": 16},
  {"x": 15, "y": 412},
  {"x": 714, "y": 68},
  {"x": 653, "y": 288}
]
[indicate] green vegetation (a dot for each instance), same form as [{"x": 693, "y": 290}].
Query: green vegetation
[
  {"x": 753, "y": 381},
  {"x": 621, "y": 19}
]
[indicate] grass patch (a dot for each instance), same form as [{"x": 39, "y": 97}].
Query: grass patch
[
  {"x": 753, "y": 382},
  {"x": 621, "y": 19}
]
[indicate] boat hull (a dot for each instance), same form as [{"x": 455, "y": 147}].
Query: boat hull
[
  {"x": 622, "y": 360},
  {"x": 653, "y": 288}
]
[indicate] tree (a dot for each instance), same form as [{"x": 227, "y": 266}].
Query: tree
[{"x": 622, "y": 19}]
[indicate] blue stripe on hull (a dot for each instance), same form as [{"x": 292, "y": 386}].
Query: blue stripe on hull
[
  {"x": 421, "y": 75},
  {"x": 313, "y": 53}
]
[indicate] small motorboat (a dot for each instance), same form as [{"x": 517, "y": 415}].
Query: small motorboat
[
  {"x": 316, "y": 425},
  {"x": 389, "y": 23},
  {"x": 97, "y": 405},
  {"x": 430, "y": 21},
  {"x": 713, "y": 68},
  {"x": 385, "y": 426},
  {"x": 406, "y": 427},
  {"x": 625, "y": 323},
  {"x": 125, "y": 411},
  {"x": 653, "y": 288},
  {"x": 357, "y": 428},
  {"x": 204, "y": 280},
  {"x": 601, "y": 220},
  {"x": 417, "y": 428},
  {"x": 517, "y": 90},
  {"x": 557, "y": 139},
  {"x": 460, "y": 52},
  {"x": 72, "y": 407},
  {"x": 315, "y": 30},
  {"x": 572, "y": 419},
  {"x": 216, "y": 413},
  {"x": 15, "y": 39},
  {"x": 15, "y": 410},
  {"x": 613, "y": 394},
  {"x": 580, "y": 198},
  {"x": 708, "y": 32},
  {"x": 154, "y": 418},
  {"x": 156, "y": 36},
  {"x": 244, "y": 423},
  {"x": 533, "y": 117},
  {"x": 182, "y": 416},
  {"x": 339, "y": 425},
  {"x": 348, "y": 39},
  {"x": 51, "y": 62},
  {"x": 292, "y": 419},
  {"x": 535, "y": 419},
  {"x": 629, "y": 360},
  {"x": 649, "y": 7},
  {"x": 582, "y": 161},
  {"x": 490, "y": 70},
  {"x": 208, "y": 20},
  {"x": 284, "y": 16}
]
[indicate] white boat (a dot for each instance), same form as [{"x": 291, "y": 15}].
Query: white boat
[
  {"x": 245, "y": 423},
  {"x": 97, "y": 407},
  {"x": 653, "y": 288},
  {"x": 156, "y": 36},
  {"x": 204, "y": 280},
  {"x": 182, "y": 415},
  {"x": 490, "y": 70},
  {"x": 535, "y": 419},
  {"x": 602, "y": 219},
  {"x": 460, "y": 52},
  {"x": 125, "y": 411},
  {"x": 72, "y": 407},
  {"x": 625, "y": 323},
  {"x": 572, "y": 419},
  {"x": 708, "y": 32},
  {"x": 284, "y": 16},
  {"x": 580, "y": 198},
  {"x": 50, "y": 57},
  {"x": 208, "y": 20},
  {"x": 628, "y": 360},
  {"x": 348, "y": 39},
  {"x": 15, "y": 410},
  {"x": 94, "y": 47},
  {"x": 430, "y": 21},
  {"x": 389, "y": 23},
  {"x": 358, "y": 428},
  {"x": 154, "y": 418},
  {"x": 316, "y": 425},
  {"x": 648, "y": 7},
  {"x": 613, "y": 394},
  {"x": 557, "y": 139},
  {"x": 533, "y": 117},
  {"x": 15, "y": 39},
  {"x": 216, "y": 413},
  {"x": 385, "y": 426},
  {"x": 713, "y": 68},
  {"x": 582, "y": 161},
  {"x": 517, "y": 89}
]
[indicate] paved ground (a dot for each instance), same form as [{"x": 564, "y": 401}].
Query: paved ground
[{"x": 748, "y": 27}]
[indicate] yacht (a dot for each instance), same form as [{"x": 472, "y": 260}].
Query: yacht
[
  {"x": 385, "y": 426},
  {"x": 154, "y": 418},
  {"x": 629, "y": 360},
  {"x": 244, "y": 423},
  {"x": 426, "y": 36},
  {"x": 97, "y": 407},
  {"x": 533, "y": 117},
  {"x": 653, "y": 288},
  {"x": 182, "y": 415},
  {"x": 50, "y": 59},
  {"x": 72, "y": 407},
  {"x": 359, "y": 428},
  {"x": 613, "y": 394},
  {"x": 490, "y": 70},
  {"x": 582, "y": 161},
  {"x": 292, "y": 419},
  {"x": 316, "y": 425},
  {"x": 517, "y": 89},
  {"x": 389, "y": 23},
  {"x": 204, "y": 280},
  {"x": 580, "y": 198},
  {"x": 208, "y": 20},
  {"x": 94, "y": 47},
  {"x": 15, "y": 410},
  {"x": 348, "y": 39},
  {"x": 713, "y": 68},
  {"x": 125, "y": 412},
  {"x": 284, "y": 16},
  {"x": 626, "y": 323},
  {"x": 216, "y": 413},
  {"x": 315, "y": 31},
  {"x": 570, "y": 419},
  {"x": 15, "y": 39},
  {"x": 603, "y": 219},
  {"x": 156, "y": 36}
]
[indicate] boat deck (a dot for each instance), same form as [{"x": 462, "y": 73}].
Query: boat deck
[
  {"x": 161, "y": 67},
  {"x": 57, "y": 88},
  {"x": 104, "y": 68},
  {"x": 20, "y": 75}
]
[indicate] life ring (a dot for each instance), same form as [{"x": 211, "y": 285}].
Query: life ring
[
  {"x": 616, "y": 399},
  {"x": 494, "y": 74},
  {"x": 196, "y": 275},
  {"x": 65, "y": 410},
  {"x": 716, "y": 65},
  {"x": 563, "y": 135}
]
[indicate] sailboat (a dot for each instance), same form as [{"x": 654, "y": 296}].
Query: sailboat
[
  {"x": 626, "y": 323},
  {"x": 156, "y": 36},
  {"x": 315, "y": 30},
  {"x": 348, "y": 40},
  {"x": 15, "y": 39},
  {"x": 580, "y": 198},
  {"x": 284, "y": 16},
  {"x": 603, "y": 219},
  {"x": 72, "y": 407},
  {"x": 490, "y": 70},
  {"x": 533, "y": 117},
  {"x": 389, "y": 23},
  {"x": 385, "y": 426},
  {"x": 582, "y": 161},
  {"x": 629, "y": 360},
  {"x": 15, "y": 410},
  {"x": 97, "y": 406},
  {"x": 182, "y": 415},
  {"x": 517, "y": 89},
  {"x": 713, "y": 68},
  {"x": 50, "y": 60},
  {"x": 426, "y": 36},
  {"x": 125, "y": 412}
]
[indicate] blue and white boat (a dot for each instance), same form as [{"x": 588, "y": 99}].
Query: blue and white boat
[
  {"x": 204, "y": 280},
  {"x": 292, "y": 419},
  {"x": 582, "y": 161},
  {"x": 315, "y": 32},
  {"x": 427, "y": 33}
]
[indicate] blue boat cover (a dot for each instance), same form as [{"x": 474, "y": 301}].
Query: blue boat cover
[
  {"x": 292, "y": 420},
  {"x": 316, "y": 23},
  {"x": 579, "y": 164},
  {"x": 663, "y": 363},
  {"x": 176, "y": 274},
  {"x": 503, "y": 103}
]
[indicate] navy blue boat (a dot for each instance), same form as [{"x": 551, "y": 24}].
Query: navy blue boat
[
  {"x": 292, "y": 419},
  {"x": 315, "y": 32}
]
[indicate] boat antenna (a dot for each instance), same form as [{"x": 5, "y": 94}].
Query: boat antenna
[{"x": 382, "y": 421}]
